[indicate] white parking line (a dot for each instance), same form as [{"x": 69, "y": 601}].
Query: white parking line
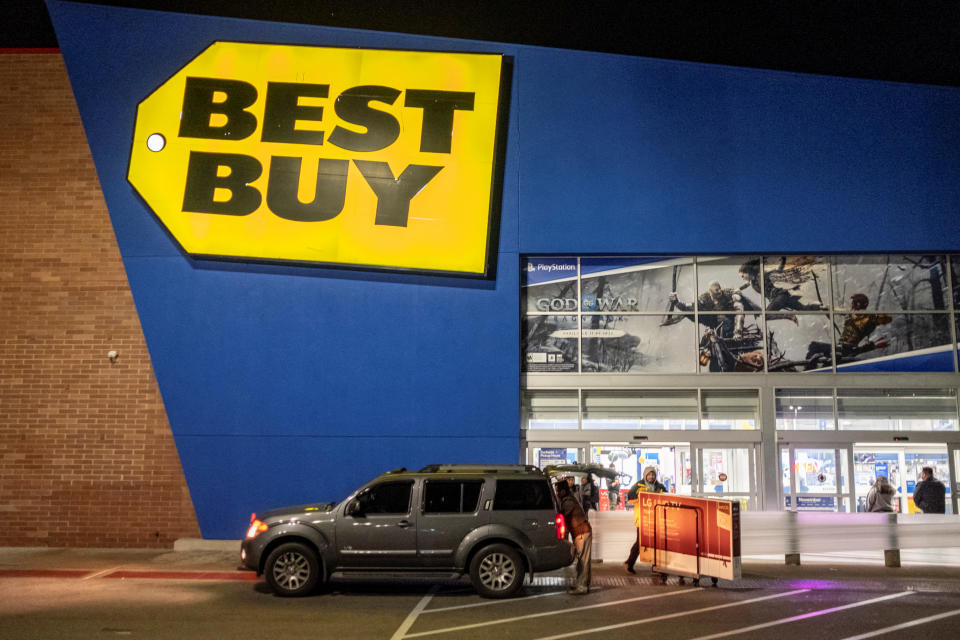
[
  {"x": 575, "y": 634},
  {"x": 548, "y": 613},
  {"x": 487, "y": 603},
  {"x": 905, "y": 625},
  {"x": 412, "y": 616},
  {"x": 804, "y": 616}
]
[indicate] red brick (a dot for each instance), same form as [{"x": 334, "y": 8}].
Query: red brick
[{"x": 86, "y": 453}]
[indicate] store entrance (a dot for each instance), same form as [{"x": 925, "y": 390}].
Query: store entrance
[
  {"x": 815, "y": 477},
  {"x": 901, "y": 464},
  {"x": 684, "y": 468}
]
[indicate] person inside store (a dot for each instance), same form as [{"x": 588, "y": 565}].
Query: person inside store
[
  {"x": 930, "y": 494},
  {"x": 613, "y": 490},
  {"x": 881, "y": 495},
  {"x": 647, "y": 483},
  {"x": 582, "y": 534},
  {"x": 589, "y": 495}
]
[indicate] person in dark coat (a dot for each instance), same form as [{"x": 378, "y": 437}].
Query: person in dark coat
[
  {"x": 930, "y": 494},
  {"x": 613, "y": 490},
  {"x": 582, "y": 534},
  {"x": 647, "y": 483},
  {"x": 589, "y": 494}
]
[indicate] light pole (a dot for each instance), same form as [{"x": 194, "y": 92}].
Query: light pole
[{"x": 795, "y": 410}]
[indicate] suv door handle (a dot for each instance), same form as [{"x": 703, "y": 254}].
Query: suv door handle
[{"x": 403, "y": 524}]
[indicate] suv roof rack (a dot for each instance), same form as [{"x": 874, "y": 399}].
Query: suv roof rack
[{"x": 480, "y": 468}]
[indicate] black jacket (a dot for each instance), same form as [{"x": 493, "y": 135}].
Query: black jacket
[
  {"x": 930, "y": 496},
  {"x": 640, "y": 487}
]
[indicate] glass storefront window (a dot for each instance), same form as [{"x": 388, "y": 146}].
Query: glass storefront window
[
  {"x": 915, "y": 460},
  {"x": 637, "y": 344},
  {"x": 891, "y": 282},
  {"x": 805, "y": 410},
  {"x": 639, "y": 284},
  {"x": 672, "y": 462},
  {"x": 723, "y": 284},
  {"x": 792, "y": 283},
  {"x": 550, "y": 409},
  {"x": 729, "y": 409},
  {"x": 816, "y": 471},
  {"x": 897, "y": 409},
  {"x": 903, "y": 341},
  {"x": 550, "y": 344},
  {"x": 726, "y": 470},
  {"x": 774, "y": 314},
  {"x": 549, "y": 285},
  {"x": 869, "y": 462},
  {"x": 955, "y": 272},
  {"x": 819, "y": 479},
  {"x": 655, "y": 409}
]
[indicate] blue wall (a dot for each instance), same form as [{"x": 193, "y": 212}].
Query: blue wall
[{"x": 284, "y": 385}]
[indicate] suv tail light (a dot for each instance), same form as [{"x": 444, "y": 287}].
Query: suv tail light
[{"x": 561, "y": 526}]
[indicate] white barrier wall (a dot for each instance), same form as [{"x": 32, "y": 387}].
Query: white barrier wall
[{"x": 783, "y": 532}]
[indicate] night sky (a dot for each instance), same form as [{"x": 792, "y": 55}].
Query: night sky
[{"x": 906, "y": 41}]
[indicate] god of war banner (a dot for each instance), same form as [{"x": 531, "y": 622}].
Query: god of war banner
[{"x": 741, "y": 314}]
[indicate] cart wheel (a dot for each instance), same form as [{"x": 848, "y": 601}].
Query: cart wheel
[
  {"x": 714, "y": 581},
  {"x": 680, "y": 580},
  {"x": 698, "y": 582},
  {"x": 663, "y": 578}
]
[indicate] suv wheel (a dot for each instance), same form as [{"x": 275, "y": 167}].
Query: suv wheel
[
  {"x": 497, "y": 571},
  {"x": 292, "y": 569}
]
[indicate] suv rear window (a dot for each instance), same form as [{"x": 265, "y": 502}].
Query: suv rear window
[
  {"x": 451, "y": 496},
  {"x": 515, "y": 495}
]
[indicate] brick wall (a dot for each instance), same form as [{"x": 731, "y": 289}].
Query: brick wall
[{"x": 86, "y": 454}]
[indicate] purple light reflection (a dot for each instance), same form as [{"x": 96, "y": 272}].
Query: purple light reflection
[{"x": 813, "y": 584}]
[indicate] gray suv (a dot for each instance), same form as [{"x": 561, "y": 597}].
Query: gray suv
[{"x": 494, "y": 522}]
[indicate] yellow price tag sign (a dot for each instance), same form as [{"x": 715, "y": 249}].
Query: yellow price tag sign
[{"x": 353, "y": 157}]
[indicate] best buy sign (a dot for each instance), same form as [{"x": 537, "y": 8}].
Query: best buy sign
[{"x": 337, "y": 156}]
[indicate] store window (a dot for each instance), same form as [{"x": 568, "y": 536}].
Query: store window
[
  {"x": 654, "y": 409},
  {"x": 550, "y": 409},
  {"x": 818, "y": 481},
  {"x": 636, "y": 344},
  {"x": 897, "y": 409},
  {"x": 672, "y": 462},
  {"x": 744, "y": 314},
  {"x": 729, "y": 409},
  {"x": 914, "y": 462},
  {"x": 805, "y": 410},
  {"x": 870, "y": 296}
]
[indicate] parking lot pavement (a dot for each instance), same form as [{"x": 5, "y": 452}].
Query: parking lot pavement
[{"x": 200, "y": 594}]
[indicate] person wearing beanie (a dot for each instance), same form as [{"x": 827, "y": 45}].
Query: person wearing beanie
[{"x": 647, "y": 483}]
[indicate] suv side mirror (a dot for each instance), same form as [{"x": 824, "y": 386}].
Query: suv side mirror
[{"x": 354, "y": 509}]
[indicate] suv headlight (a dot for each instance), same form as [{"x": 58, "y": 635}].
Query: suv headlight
[{"x": 256, "y": 527}]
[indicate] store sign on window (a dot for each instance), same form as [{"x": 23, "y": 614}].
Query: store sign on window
[{"x": 355, "y": 157}]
